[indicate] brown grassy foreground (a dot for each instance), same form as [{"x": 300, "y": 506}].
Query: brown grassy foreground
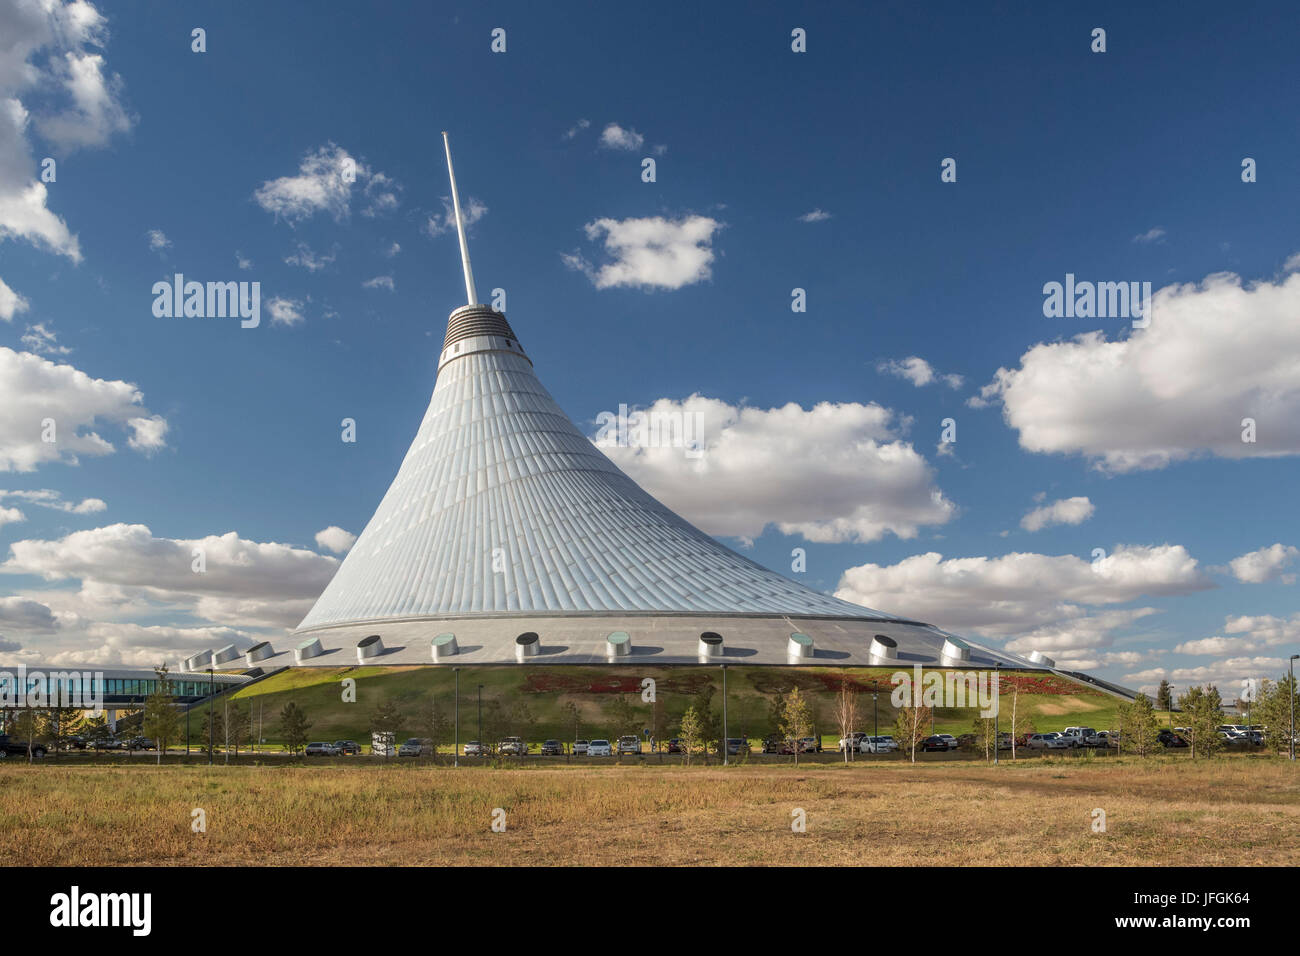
[{"x": 1233, "y": 811}]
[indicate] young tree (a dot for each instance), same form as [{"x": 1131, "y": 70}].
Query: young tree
[
  {"x": 238, "y": 722},
  {"x": 796, "y": 720},
  {"x": 161, "y": 719},
  {"x": 29, "y": 725},
  {"x": 846, "y": 715},
  {"x": 386, "y": 718},
  {"x": 434, "y": 722},
  {"x": 986, "y": 735},
  {"x": 709, "y": 723},
  {"x": 1273, "y": 710},
  {"x": 1022, "y": 724},
  {"x": 211, "y": 729},
  {"x": 1165, "y": 696},
  {"x": 294, "y": 726},
  {"x": 1140, "y": 720},
  {"x": 572, "y": 718},
  {"x": 691, "y": 733},
  {"x": 912, "y": 725},
  {"x": 1202, "y": 713}
]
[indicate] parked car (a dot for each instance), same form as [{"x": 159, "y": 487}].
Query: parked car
[
  {"x": 598, "y": 748},
  {"x": 933, "y": 743},
  {"x": 1052, "y": 741},
  {"x": 348, "y": 747},
  {"x": 1004, "y": 740},
  {"x": 810, "y": 745},
  {"x": 952, "y": 741},
  {"x": 1167, "y": 738},
  {"x": 552, "y": 748},
  {"x": 412, "y": 748},
  {"x": 107, "y": 743},
  {"x": 1078, "y": 736},
  {"x": 76, "y": 742},
  {"x": 737, "y": 745},
  {"x": 879, "y": 745},
  {"x": 321, "y": 749},
  {"x": 141, "y": 743},
  {"x": 475, "y": 748},
  {"x": 675, "y": 745},
  {"x": 853, "y": 741},
  {"x": 629, "y": 744},
  {"x": 512, "y": 747},
  {"x": 774, "y": 744},
  {"x": 13, "y": 747}
]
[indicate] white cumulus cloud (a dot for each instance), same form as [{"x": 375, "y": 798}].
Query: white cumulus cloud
[
  {"x": 835, "y": 472},
  {"x": 335, "y": 539},
  {"x": 616, "y": 137},
  {"x": 1075, "y": 510},
  {"x": 1266, "y": 564},
  {"x": 650, "y": 253}
]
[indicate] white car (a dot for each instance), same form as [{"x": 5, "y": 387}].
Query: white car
[
  {"x": 854, "y": 741},
  {"x": 321, "y": 749},
  {"x": 1051, "y": 741},
  {"x": 580, "y": 748},
  {"x": 598, "y": 748},
  {"x": 412, "y": 748},
  {"x": 1078, "y": 736},
  {"x": 952, "y": 741},
  {"x": 879, "y": 745}
]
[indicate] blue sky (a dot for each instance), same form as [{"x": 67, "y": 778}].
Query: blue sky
[{"x": 1115, "y": 166}]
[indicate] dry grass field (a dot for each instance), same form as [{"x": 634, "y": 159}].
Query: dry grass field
[{"x": 1232, "y": 811}]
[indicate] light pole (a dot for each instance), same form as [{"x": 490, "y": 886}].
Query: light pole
[
  {"x": 997, "y": 712},
  {"x": 1290, "y": 666},
  {"x": 455, "y": 758},
  {"x": 875, "y": 720},
  {"x": 725, "y": 742},
  {"x": 212, "y": 689},
  {"x": 480, "y": 719}
]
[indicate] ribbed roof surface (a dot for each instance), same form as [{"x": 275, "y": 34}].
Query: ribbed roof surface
[{"x": 498, "y": 468}]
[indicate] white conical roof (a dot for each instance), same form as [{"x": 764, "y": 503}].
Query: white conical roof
[{"x": 497, "y": 470}]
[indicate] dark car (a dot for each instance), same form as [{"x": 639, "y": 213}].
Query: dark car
[
  {"x": 552, "y": 748},
  {"x": 675, "y": 745},
  {"x": 1167, "y": 738},
  {"x": 348, "y": 748},
  {"x": 11, "y": 747},
  {"x": 141, "y": 743},
  {"x": 934, "y": 742},
  {"x": 737, "y": 745},
  {"x": 775, "y": 744},
  {"x": 107, "y": 743},
  {"x": 76, "y": 742}
]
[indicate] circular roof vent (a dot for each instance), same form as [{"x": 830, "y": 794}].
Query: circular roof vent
[
  {"x": 198, "y": 661},
  {"x": 710, "y": 645},
  {"x": 884, "y": 647},
  {"x": 618, "y": 644},
  {"x": 225, "y": 655},
  {"x": 258, "y": 652},
  {"x": 1038, "y": 657},
  {"x": 799, "y": 645},
  {"x": 369, "y": 647},
  {"x": 527, "y": 645},
  {"x": 955, "y": 649},
  {"x": 308, "y": 649},
  {"x": 444, "y": 646}
]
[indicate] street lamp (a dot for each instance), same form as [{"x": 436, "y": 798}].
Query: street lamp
[
  {"x": 997, "y": 711},
  {"x": 875, "y": 719},
  {"x": 212, "y": 689},
  {"x": 725, "y": 742},
  {"x": 455, "y": 758},
  {"x": 1290, "y": 666},
  {"x": 480, "y": 718}
]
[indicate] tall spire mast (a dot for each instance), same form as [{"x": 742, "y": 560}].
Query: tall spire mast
[{"x": 460, "y": 227}]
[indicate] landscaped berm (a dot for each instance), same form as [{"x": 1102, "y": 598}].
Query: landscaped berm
[
  {"x": 569, "y": 703},
  {"x": 1165, "y": 811}
]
